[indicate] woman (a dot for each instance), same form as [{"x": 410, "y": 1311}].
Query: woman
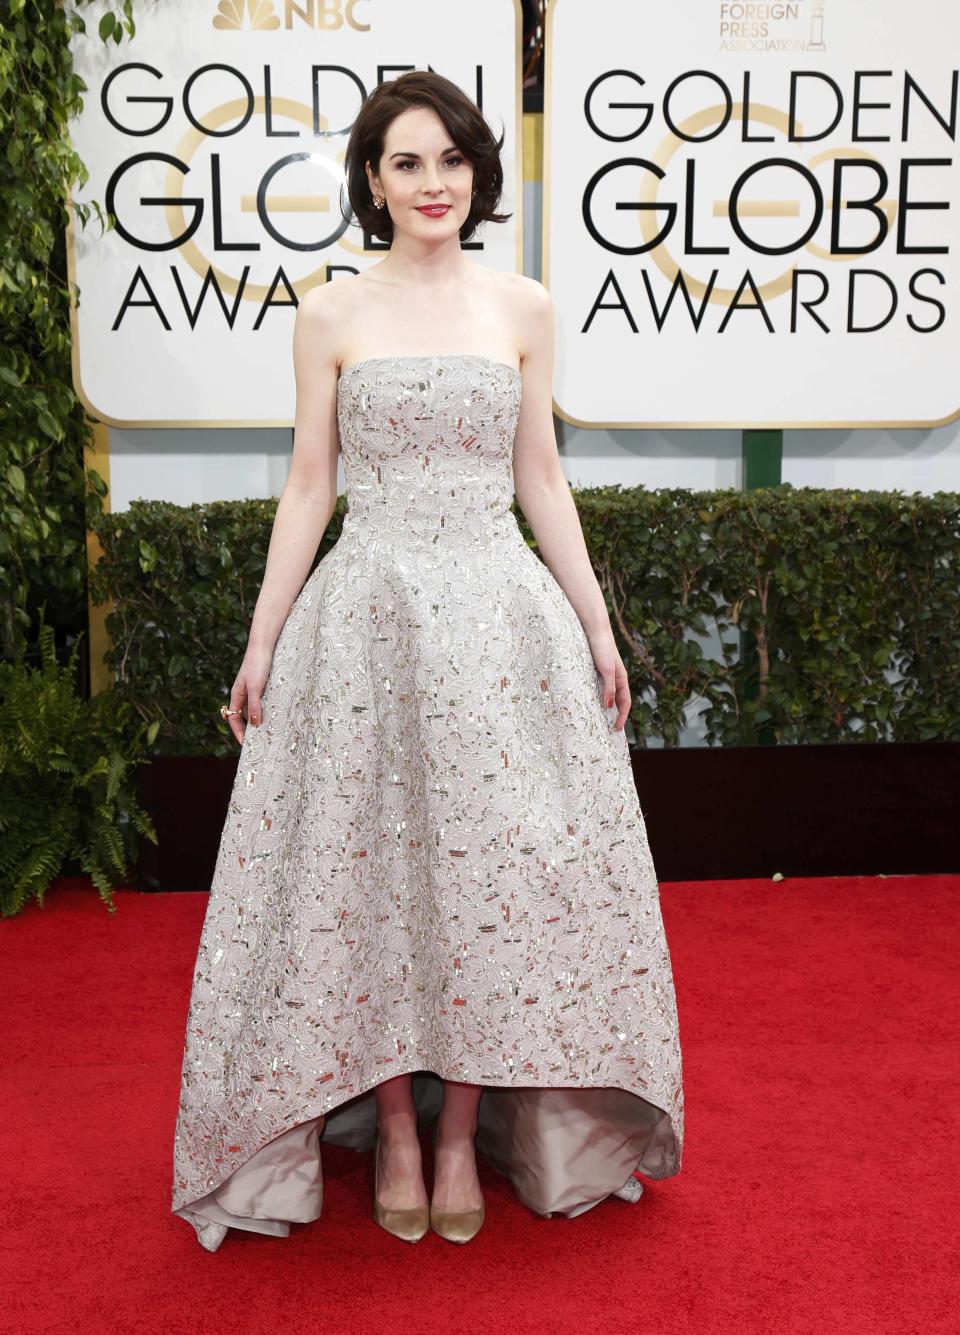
[{"x": 434, "y": 901}]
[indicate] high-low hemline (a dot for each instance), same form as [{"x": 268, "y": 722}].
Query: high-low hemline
[{"x": 561, "y": 1156}]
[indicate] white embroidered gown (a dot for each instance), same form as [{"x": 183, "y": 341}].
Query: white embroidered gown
[{"x": 434, "y": 859}]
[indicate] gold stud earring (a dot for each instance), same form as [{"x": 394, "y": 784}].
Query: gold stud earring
[{"x": 378, "y": 201}]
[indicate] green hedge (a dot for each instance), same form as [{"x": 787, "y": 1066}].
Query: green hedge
[{"x": 846, "y": 605}]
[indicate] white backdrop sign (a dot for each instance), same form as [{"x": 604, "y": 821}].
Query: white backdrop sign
[
  {"x": 217, "y": 138},
  {"x": 750, "y": 213}
]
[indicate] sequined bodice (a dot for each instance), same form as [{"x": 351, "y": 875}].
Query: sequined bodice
[{"x": 427, "y": 444}]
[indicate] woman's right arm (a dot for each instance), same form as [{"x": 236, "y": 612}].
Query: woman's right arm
[{"x": 306, "y": 502}]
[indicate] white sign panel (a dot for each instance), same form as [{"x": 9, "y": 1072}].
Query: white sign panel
[
  {"x": 217, "y": 137},
  {"x": 751, "y": 212}
]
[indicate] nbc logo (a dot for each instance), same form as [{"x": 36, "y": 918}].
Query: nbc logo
[{"x": 258, "y": 14}]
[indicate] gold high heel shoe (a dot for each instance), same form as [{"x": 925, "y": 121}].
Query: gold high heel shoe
[
  {"x": 456, "y": 1225},
  {"x": 409, "y": 1224}
]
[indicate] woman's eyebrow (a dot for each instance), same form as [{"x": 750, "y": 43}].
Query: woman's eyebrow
[{"x": 451, "y": 149}]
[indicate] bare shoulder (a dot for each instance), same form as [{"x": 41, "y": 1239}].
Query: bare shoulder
[
  {"x": 316, "y": 331},
  {"x": 527, "y": 309},
  {"x": 525, "y": 297},
  {"x": 321, "y": 303},
  {"x": 322, "y": 315}
]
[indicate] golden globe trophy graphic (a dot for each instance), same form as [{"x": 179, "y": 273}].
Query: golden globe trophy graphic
[{"x": 816, "y": 42}]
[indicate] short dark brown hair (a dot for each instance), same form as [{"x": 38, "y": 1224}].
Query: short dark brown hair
[{"x": 465, "y": 125}]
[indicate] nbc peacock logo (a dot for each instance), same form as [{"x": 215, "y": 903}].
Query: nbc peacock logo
[{"x": 259, "y": 15}]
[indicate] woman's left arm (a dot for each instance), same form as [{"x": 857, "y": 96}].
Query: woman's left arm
[{"x": 544, "y": 495}]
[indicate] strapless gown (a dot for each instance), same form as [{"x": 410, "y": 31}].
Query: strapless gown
[{"x": 434, "y": 860}]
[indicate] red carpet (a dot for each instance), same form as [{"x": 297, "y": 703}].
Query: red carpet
[{"x": 819, "y": 1191}]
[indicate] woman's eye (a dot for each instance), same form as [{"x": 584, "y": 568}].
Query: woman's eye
[{"x": 454, "y": 161}]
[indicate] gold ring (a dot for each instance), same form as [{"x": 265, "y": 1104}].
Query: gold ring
[{"x": 226, "y": 713}]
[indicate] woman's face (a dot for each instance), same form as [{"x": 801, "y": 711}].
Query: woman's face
[{"x": 421, "y": 168}]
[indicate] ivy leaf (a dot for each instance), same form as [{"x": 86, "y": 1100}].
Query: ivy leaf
[{"x": 48, "y": 425}]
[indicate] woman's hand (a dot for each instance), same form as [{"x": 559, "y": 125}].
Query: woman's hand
[
  {"x": 615, "y": 688},
  {"x": 247, "y": 689}
]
